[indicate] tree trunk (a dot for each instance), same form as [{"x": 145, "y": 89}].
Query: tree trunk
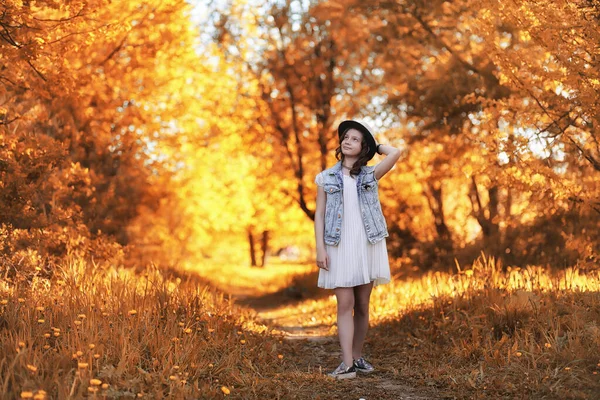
[
  {"x": 507, "y": 216},
  {"x": 436, "y": 205},
  {"x": 252, "y": 248},
  {"x": 487, "y": 217},
  {"x": 264, "y": 248},
  {"x": 493, "y": 206}
]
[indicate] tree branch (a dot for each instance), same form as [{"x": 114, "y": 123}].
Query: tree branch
[
  {"x": 37, "y": 72},
  {"x": 442, "y": 43},
  {"x": 595, "y": 163},
  {"x": 8, "y": 37},
  {"x": 115, "y": 50},
  {"x": 79, "y": 14}
]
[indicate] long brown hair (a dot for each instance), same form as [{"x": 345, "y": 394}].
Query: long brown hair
[{"x": 363, "y": 156}]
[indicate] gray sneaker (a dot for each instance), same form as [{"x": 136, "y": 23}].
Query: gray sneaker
[
  {"x": 362, "y": 365},
  {"x": 343, "y": 372}
]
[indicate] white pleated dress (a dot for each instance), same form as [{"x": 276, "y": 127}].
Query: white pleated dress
[{"x": 354, "y": 261}]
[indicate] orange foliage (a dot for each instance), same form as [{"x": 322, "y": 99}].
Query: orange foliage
[
  {"x": 90, "y": 97},
  {"x": 112, "y": 123},
  {"x": 494, "y": 113}
]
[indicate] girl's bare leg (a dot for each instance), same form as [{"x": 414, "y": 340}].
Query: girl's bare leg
[
  {"x": 345, "y": 322},
  {"x": 362, "y": 295}
]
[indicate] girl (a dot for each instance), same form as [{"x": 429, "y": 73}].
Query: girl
[{"x": 350, "y": 233}]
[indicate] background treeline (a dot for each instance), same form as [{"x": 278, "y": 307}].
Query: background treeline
[{"x": 132, "y": 132}]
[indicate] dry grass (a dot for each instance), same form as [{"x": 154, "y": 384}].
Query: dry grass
[
  {"x": 103, "y": 332},
  {"x": 111, "y": 333},
  {"x": 484, "y": 332}
]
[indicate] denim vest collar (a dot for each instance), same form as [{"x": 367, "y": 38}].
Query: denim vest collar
[{"x": 337, "y": 171}]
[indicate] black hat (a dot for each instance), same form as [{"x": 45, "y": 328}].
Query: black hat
[{"x": 363, "y": 128}]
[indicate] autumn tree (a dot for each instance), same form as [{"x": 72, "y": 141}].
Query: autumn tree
[
  {"x": 307, "y": 81},
  {"x": 89, "y": 93},
  {"x": 516, "y": 93},
  {"x": 552, "y": 70},
  {"x": 494, "y": 104},
  {"x": 367, "y": 75},
  {"x": 546, "y": 55}
]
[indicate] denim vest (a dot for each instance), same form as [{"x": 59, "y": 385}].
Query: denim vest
[{"x": 368, "y": 199}]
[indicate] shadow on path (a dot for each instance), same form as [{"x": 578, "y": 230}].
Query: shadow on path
[{"x": 289, "y": 296}]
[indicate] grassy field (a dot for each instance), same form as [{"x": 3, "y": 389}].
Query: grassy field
[
  {"x": 483, "y": 332},
  {"x": 103, "y": 332},
  {"x": 109, "y": 333}
]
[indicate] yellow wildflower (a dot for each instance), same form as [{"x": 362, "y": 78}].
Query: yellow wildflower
[{"x": 40, "y": 395}]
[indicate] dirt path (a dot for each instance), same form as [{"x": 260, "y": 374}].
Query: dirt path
[{"x": 319, "y": 351}]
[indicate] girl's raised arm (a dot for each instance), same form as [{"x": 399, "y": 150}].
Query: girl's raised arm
[{"x": 392, "y": 155}]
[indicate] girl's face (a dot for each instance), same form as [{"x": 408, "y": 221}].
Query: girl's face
[{"x": 352, "y": 143}]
